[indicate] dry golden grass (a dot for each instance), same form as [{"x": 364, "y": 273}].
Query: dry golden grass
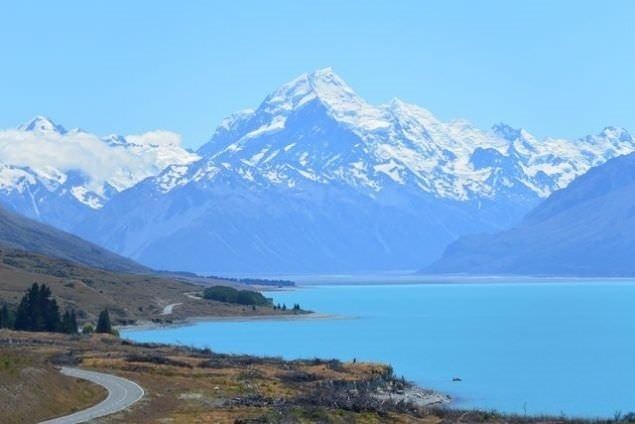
[
  {"x": 128, "y": 297},
  {"x": 31, "y": 389},
  {"x": 182, "y": 385}
]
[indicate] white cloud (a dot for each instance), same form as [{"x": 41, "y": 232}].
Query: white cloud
[
  {"x": 156, "y": 138},
  {"x": 52, "y": 155}
]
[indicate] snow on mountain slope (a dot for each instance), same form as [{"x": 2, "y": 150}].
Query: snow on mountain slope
[
  {"x": 52, "y": 174},
  {"x": 316, "y": 179},
  {"x": 396, "y": 143},
  {"x": 585, "y": 229}
]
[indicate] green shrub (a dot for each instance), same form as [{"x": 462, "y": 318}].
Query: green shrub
[{"x": 231, "y": 295}]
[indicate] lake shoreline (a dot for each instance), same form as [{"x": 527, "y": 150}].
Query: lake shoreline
[
  {"x": 409, "y": 280},
  {"x": 151, "y": 325},
  {"x": 428, "y": 333},
  {"x": 412, "y": 277},
  {"x": 414, "y": 393}
]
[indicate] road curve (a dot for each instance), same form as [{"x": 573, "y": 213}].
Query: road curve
[
  {"x": 121, "y": 394},
  {"x": 170, "y": 308}
]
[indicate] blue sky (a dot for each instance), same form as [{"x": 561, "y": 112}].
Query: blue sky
[{"x": 555, "y": 68}]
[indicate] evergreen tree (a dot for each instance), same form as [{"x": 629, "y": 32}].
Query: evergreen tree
[
  {"x": 103, "y": 323},
  {"x": 52, "y": 320},
  {"x": 25, "y": 315},
  {"x": 5, "y": 317},
  {"x": 66, "y": 318},
  {"x": 37, "y": 311},
  {"x": 69, "y": 322},
  {"x": 74, "y": 326}
]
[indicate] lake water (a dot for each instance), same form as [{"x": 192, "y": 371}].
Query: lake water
[{"x": 541, "y": 348}]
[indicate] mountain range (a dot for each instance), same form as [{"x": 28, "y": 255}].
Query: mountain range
[
  {"x": 58, "y": 176},
  {"x": 586, "y": 229},
  {"x": 315, "y": 179}
]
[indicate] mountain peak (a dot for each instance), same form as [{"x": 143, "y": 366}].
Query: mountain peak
[
  {"x": 42, "y": 124},
  {"x": 330, "y": 87},
  {"x": 326, "y": 87},
  {"x": 507, "y": 132},
  {"x": 322, "y": 84},
  {"x": 615, "y": 132},
  {"x": 326, "y": 73},
  {"x": 320, "y": 77}
]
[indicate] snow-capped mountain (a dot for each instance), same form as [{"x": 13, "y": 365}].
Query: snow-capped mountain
[
  {"x": 316, "y": 179},
  {"x": 57, "y": 175},
  {"x": 282, "y": 142},
  {"x": 586, "y": 229}
]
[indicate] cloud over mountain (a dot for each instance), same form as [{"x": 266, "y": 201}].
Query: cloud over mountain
[{"x": 41, "y": 158}]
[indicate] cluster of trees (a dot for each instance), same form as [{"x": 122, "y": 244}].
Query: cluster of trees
[
  {"x": 39, "y": 311},
  {"x": 256, "y": 281},
  {"x": 283, "y": 307},
  {"x": 240, "y": 297}
]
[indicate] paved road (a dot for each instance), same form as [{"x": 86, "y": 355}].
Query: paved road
[
  {"x": 121, "y": 394},
  {"x": 170, "y": 308},
  {"x": 193, "y": 296}
]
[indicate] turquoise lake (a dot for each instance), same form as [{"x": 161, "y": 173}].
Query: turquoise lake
[{"x": 557, "y": 348}]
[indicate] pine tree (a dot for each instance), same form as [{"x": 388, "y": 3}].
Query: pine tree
[
  {"x": 5, "y": 317},
  {"x": 52, "y": 320},
  {"x": 66, "y": 319},
  {"x": 37, "y": 311},
  {"x": 103, "y": 323},
  {"x": 74, "y": 326},
  {"x": 25, "y": 314},
  {"x": 69, "y": 322}
]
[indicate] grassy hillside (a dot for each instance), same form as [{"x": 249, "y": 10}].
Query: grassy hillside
[
  {"x": 129, "y": 297},
  {"x": 18, "y": 232}
]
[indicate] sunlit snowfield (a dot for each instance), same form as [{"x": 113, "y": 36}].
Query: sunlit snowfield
[{"x": 554, "y": 348}]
